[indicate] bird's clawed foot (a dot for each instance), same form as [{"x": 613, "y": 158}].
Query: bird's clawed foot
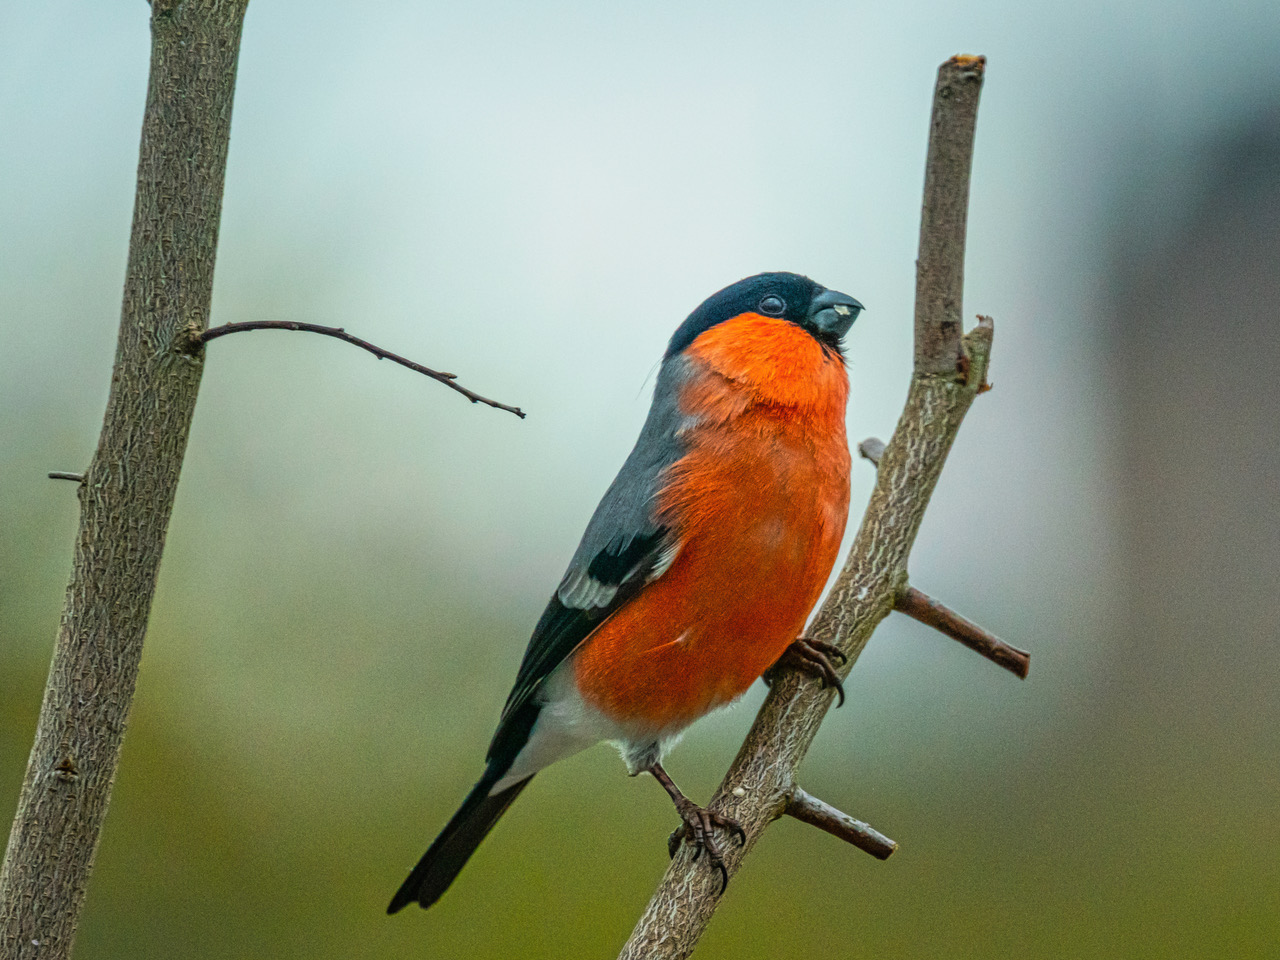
[
  {"x": 812, "y": 657},
  {"x": 699, "y": 829}
]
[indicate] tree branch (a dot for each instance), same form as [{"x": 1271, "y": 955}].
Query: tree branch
[
  {"x": 919, "y": 606},
  {"x": 127, "y": 494},
  {"x": 757, "y": 788},
  {"x": 448, "y": 379}
]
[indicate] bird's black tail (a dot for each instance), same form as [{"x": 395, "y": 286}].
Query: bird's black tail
[{"x": 457, "y": 841}]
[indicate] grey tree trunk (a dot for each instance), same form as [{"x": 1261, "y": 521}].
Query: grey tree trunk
[{"x": 128, "y": 491}]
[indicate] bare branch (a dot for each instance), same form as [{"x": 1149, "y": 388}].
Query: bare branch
[
  {"x": 448, "y": 379},
  {"x": 809, "y": 809},
  {"x": 761, "y": 781},
  {"x": 919, "y": 606},
  {"x": 59, "y": 475}
]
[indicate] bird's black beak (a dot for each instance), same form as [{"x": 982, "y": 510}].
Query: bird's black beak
[{"x": 832, "y": 313}]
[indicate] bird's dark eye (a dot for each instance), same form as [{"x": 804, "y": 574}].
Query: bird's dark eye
[{"x": 773, "y": 305}]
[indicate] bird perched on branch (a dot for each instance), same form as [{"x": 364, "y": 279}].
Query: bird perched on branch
[{"x": 699, "y": 567}]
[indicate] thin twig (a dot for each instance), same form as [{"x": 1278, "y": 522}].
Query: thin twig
[
  {"x": 450, "y": 380},
  {"x": 60, "y": 475},
  {"x": 809, "y": 809},
  {"x": 920, "y": 606}
]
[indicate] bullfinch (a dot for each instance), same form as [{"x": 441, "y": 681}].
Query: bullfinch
[{"x": 699, "y": 567}]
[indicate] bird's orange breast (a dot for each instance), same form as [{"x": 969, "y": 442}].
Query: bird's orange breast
[{"x": 759, "y": 503}]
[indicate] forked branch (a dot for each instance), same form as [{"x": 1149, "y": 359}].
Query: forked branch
[{"x": 949, "y": 372}]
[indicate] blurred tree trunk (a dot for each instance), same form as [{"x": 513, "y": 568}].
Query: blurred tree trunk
[{"x": 127, "y": 494}]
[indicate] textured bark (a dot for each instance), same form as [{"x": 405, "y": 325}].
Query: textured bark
[
  {"x": 948, "y": 375},
  {"x": 128, "y": 491}
]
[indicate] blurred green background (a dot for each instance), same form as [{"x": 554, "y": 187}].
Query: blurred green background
[{"x": 533, "y": 196}]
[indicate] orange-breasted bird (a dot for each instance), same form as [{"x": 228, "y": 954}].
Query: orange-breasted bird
[{"x": 699, "y": 567}]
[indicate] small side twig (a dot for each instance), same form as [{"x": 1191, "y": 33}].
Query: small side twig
[
  {"x": 920, "y": 606},
  {"x": 809, "y": 809},
  {"x": 450, "y": 380},
  {"x": 60, "y": 475}
]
